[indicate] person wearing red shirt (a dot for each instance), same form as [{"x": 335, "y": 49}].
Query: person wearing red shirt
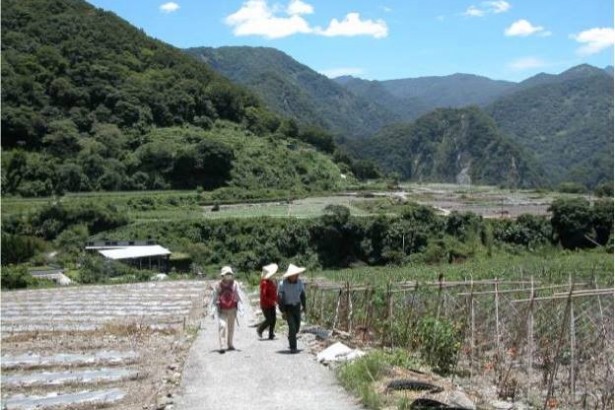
[{"x": 268, "y": 300}]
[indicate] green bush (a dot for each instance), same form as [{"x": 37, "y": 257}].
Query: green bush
[
  {"x": 16, "y": 277},
  {"x": 19, "y": 248},
  {"x": 438, "y": 342},
  {"x": 571, "y": 188}
]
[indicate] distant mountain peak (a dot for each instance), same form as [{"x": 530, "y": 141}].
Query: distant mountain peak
[
  {"x": 343, "y": 79},
  {"x": 581, "y": 70}
]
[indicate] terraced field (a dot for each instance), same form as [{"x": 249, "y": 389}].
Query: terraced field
[{"x": 120, "y": 346}]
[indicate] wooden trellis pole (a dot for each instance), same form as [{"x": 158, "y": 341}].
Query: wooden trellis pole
[
  {"x": 497, "y": 319},
  {"x": 473, "y": 329},
  {"x": 572, "y": 348},
  {"x": 337, "y": 308},
  {"x": 530, "y": 333},
  {"x": 411, "y": 313},
  {"x": 557, "y": 350},
  {"x": 349, "y": 301}
]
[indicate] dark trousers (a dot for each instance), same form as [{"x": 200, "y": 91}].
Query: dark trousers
[
  {"x": 269, "y": 321},
  {"x": 293, "y": 318}
]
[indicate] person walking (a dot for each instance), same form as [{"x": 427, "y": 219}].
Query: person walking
[
  {"x": 225, "y": 303},
  {"x": 268, "y": 300},
  {"x": 291, "y": 300}
]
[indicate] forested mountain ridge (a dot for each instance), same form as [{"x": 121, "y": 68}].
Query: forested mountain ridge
[
  {"x": 566, "y": 120},
  {"x": 293, "y": 89},
  {"x": 451, "y": 145},
  {"x": 526, "y": 111},
  {"x": 90, "y": 102},
  {"x": 413, "y": 97}
]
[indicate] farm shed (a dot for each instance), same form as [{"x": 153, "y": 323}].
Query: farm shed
[{"x": 140, "y": 254}]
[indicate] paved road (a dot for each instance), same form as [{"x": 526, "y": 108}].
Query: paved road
[{"x": 260, "y": 374}]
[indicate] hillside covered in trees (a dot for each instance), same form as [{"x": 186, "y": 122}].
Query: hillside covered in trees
[
  {"x": 295, "y": 90},
  {"x": 562, "y": 122},
  {"x": 90, "y": 102},
  {"x": 451, "y": 145},
  {"x": 566, "y": 121}
]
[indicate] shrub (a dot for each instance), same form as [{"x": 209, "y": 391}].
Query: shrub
[
  {"x": 16, "y": 277},
  {"x": 438, "y": 342},
  {"x": 571, "y": 188},
  {"x": 604, "y": 190},
  {"x": 19, "y": 248}
]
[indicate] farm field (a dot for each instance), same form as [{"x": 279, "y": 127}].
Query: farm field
[
  {"x": 489, "y": 202},
  {"x": 532, "y": 330},
  {"x": 554, "y": 268},
  {"x": 119, "y": 345}
]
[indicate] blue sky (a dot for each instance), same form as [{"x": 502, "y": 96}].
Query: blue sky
[{"x": 389, "y": 39}]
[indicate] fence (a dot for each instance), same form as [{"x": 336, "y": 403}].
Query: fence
[{"x": 548, "y": 345}]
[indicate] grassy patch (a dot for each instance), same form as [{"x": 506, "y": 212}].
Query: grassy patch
[{"x": 362, "y": 376}]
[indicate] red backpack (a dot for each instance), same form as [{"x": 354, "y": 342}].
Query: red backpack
[{"x": 226, "y": 296}]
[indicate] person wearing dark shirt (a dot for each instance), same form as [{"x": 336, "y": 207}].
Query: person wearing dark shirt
[
  {"x": 291, "y": 300},
  {"x": 268, "y": 300}
]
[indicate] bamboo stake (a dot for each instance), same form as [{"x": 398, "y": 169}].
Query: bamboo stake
[
  {"x": 322, "y": 305},
  {"x": 491, "y": 292},
  {"x": 349, "y": 309},
  {"x": 572, "y": 295},
  {"x": 472, "y": 325},
  {"x": 601, "y": 311},
  {"x": 497, "y": 319},
  {"x": 572, "y": 355},
  {"x": 557, "y": 352},
  {"x": 337, "y": 308},
  {"x": 530, "y": 333}
]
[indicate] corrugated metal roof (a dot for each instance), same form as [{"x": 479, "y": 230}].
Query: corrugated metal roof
[{"x": 130, "y": 252}]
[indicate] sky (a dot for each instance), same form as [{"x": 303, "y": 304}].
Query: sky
[{"x": 391, "y": 39}]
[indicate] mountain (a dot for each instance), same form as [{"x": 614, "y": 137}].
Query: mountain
[
  {"x": 295, "y": 90},
  {"x": 451, "y": 145},
  {"x": 538, "y": 116},
  {"x": 412, "y": 97},
  {"x": 457, "y": 90},
  {"x": 90, "y": 102},
  {"x": 566, "y": 120},
  {"x": 403, "y": 108},
  {"x": 579, "y": 72}
]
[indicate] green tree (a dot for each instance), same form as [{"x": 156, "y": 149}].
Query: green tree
[
  {"x": 602, "y": 220},
  {"x": 62, "y": 139},
  {"x": 572, "y": 222}
]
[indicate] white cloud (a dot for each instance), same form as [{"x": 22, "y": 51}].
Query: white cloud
[
  {"x": 340, "y": 71},
  {"x": 498, "y": 6},
  {"x": 387, "y": 9},
  {"x": 524, "y": 28},
  {"x": 595, "y": 40},
  {"x": 487, "y": 7},
  {"x": 352, "y": 25},
  {"x": 296, "y": 7},
  {"x": 474, "y": 11},
  {"x": 256, "y": 18},
  {"x": 169, "y": 7},
  {"x": 526, "y": 63}
]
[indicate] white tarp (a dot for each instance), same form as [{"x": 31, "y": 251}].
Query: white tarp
[
  {"x": 131, "y": 252},
  {"x": 338, "y": 352}
]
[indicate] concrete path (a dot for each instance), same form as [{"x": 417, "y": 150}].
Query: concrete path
[{"x": 260, "y": 374}]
